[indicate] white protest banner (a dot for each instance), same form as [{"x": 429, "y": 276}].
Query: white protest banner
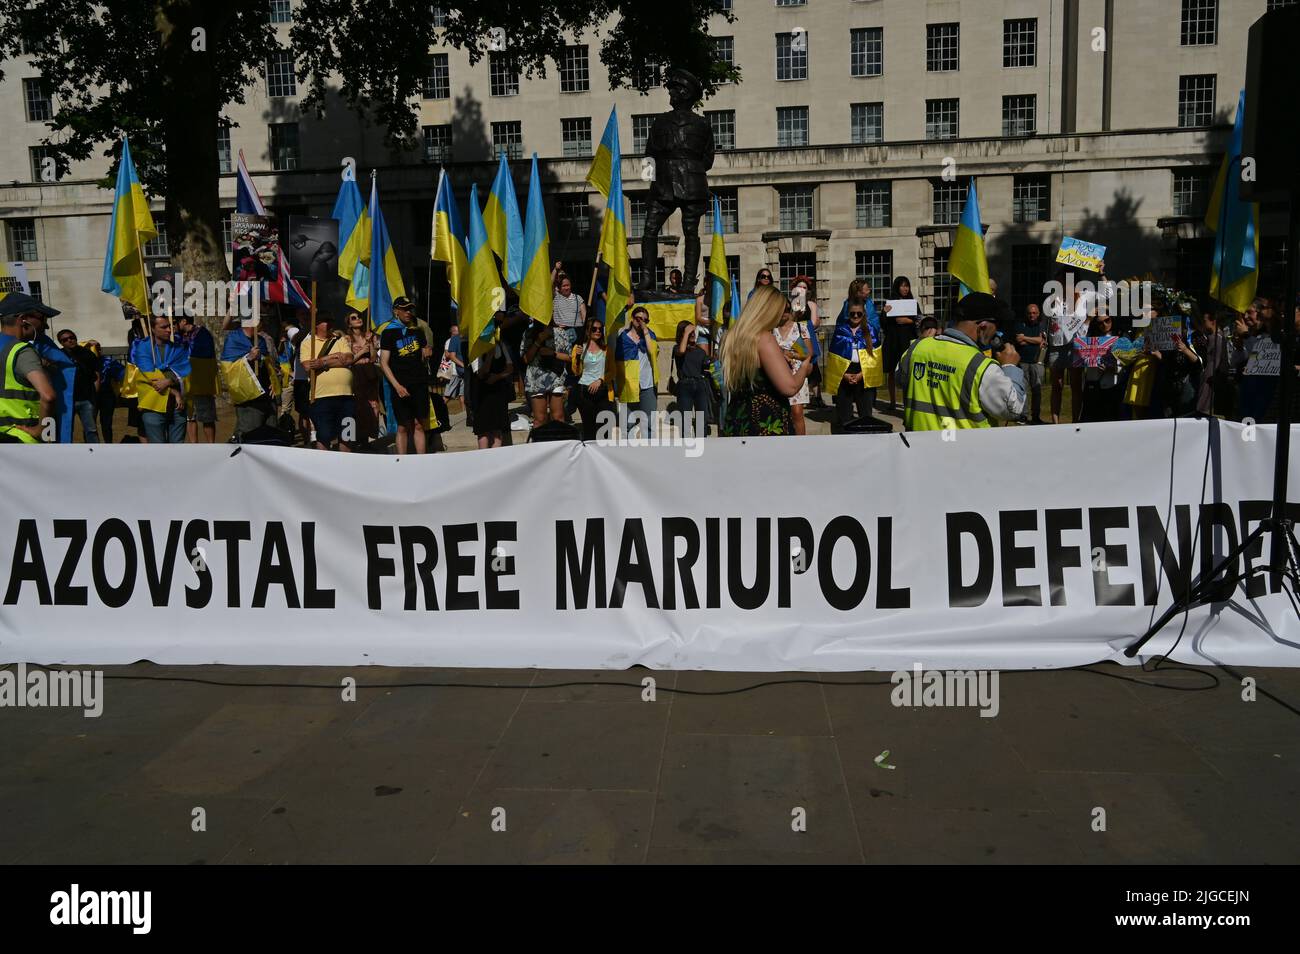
[
  {"x": 573, "y": 555},
  {"x": 904, "y": 307}
]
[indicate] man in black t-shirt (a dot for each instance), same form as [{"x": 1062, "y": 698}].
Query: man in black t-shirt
[
  {"x": 84, "y": 385},
  {"x": 402, "y": 358}
]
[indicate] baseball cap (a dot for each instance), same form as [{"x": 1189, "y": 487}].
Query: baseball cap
[
  {"x": 16, "y": 303},
  {"x": 977, "y": 307},
  {"x": 403, "y": 302}
]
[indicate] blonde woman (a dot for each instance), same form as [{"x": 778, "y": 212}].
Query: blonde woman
[{"x": 758, "y": 377}]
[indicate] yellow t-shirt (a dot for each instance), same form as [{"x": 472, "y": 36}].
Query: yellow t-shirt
[{"x": 336, "y": 382}]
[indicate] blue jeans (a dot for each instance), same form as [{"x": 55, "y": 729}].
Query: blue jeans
[
  {"x": 648, "y": 405},
  {"x": 162, "y": 428},
  {"x": 86, "y": 411}
]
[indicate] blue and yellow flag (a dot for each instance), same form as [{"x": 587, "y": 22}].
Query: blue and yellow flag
[
  {"x": 150, "y": 361},
  {"x": 354, "y": 242},
  {"x": 385, "y": 277},
  {"x": 505, "y": 228},
  {"x": 735, "y": 301},
  {"x": 536, "y": 296},
  {"x": 449, "y": 236},
  {"x": 607, "y": 157},
  {"x": 613, "y": 239},
  {"x": 1235, "y": 224},
  {"x": 481, "y": 293},
  {"x": 719, "y": 277},
  {"x": 851, "y": 346},
  {"x": 129, "y": 228},
  {"x": 968, "y": 262}
]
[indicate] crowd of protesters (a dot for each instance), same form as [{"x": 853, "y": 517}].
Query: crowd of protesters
[{"x": 354, "y": 389}]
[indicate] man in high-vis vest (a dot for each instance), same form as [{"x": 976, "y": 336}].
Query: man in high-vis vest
[
  {"x": 26, "y": 394},
  {"x": 948, "y": 383}
]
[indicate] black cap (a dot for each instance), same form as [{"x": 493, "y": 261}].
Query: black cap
[
  {"x": 403, "y": 302},
  {"x": 978, "y": 306},
  {"x": 16, "y": 303}
]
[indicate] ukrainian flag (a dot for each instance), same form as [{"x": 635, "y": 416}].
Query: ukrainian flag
[
  {"x": 851, "y": 345},
  {"x": 968, "y": 262},
  {"x": 385, "y": 277},
  {"x": 203, "y": 364},
  {"x": 666, "y": 315},
  {"x": 536, "y": 296},
  {"x": 449, "y": 236},
  {"x": 505, "y": 228},
  {"x": 482, "y": 294},
  {"x": 1236, "y": 226},
  {"x": 607, "y": 157},
  {"x": 148, "y": 362},
  {"x": 613, "y": 238},
  {"x": 627, "y": 365},
  {"x": 354, "y": 242},
  {"x": 735, "y": 301},
  {"x": 130, "y": 225},
  {"x": 239, "y": 375}
]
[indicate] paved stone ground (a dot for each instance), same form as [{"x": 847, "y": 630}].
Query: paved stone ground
[{"x": 595, "y": 774}]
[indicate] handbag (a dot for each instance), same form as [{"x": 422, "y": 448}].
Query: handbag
[{"x": 446, "y": 369}]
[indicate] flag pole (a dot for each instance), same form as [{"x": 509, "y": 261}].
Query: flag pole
[
  {"x": 311, "y": 396},
  {"x": 148, "y": 302},
  {"x": 600, "y": 250}
]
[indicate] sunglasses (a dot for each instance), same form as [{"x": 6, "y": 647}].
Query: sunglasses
[
  {"x": 857, "y": 314},
  {"x": 764, "y": 278}
]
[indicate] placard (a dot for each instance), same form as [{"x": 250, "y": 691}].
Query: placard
[{"x": 1076, "y": 253}]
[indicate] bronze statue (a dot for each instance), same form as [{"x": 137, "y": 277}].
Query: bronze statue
[{"x": 681, "y": 145}]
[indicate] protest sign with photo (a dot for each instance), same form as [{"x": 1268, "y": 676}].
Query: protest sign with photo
[{"x": 255, "y": 248}]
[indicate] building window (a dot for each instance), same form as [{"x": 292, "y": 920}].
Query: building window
[
  {"x": 867, "y": 123},
  {"x": 945, "y": 286},
  {"x": 1019, "y": 43},
  {"x": 1279, "y": 4},
  {"x": 508, "y": 138},
  {"x": 280, "y": 12},
  {"x": 875, "y": 201},
  {"x": 1200, "y": 23},
  {"x": 724, "y": 50},
  {"x": 792, "y": 126},
  {"x": 1194, "y": 264},
  {"x": 727, "y": 204},
  {"x": 22, "y": 240},
  {"x": 723, "y": 124},
  {"x": 647, "y": 76},
  {"x": 157, "y": 247},
  {"x": 40, "y": 107},
  {"x": 796, "y": 209},
  {"x": 438, "y": 17},
  {"x": 877, "y": 269},
  {"x": 503, "y": 75},
  {"x": 641, "y": 131},
  {"x": 638, "y": 206},
  {"x": 227, "y": 234},
  {"x": 1195, "y": 101},
  {"x": 942, "y": 118},
  {"x": 34, "y": 289},
  {"x": 792, "y": 56},
  {"x": 1191, "y": 193},
  {"x": 790, "y": 3},
  {"x": 722, "y": 6},
  {"x": 285, "y": 153},
  {"x": 1031, "y": 199},
  {"x": 576, "y": 136},
  {"x": 574, "y": 74},
  {"x": 575, "y": 215},
  {"x": 436, "y": 83},
  {"x": 791, "y": 265},
  {"x": 942, "y": 43},
  {"x": 437, "y": 143},
  {"x": 1031, "y": 268},
  {"x": 949, "y": 199},
  {"x": 280, "y": 79},
  {"x": 1019, "y": 116},
  {"x": 867, "y": 51},
  {"x": 224, "y": 156},
  {"x": 38, "y": 155}
]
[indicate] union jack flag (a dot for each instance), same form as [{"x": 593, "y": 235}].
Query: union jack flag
[{"x": 285, "y": 289}]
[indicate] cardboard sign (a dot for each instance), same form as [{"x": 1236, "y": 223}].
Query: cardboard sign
[
  {"x": 1265, "y": 360},
  {"x": 1164, "y": 332},
  {"x": 13, "y": 278},
  {"x": 1076, "y": 253}
]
